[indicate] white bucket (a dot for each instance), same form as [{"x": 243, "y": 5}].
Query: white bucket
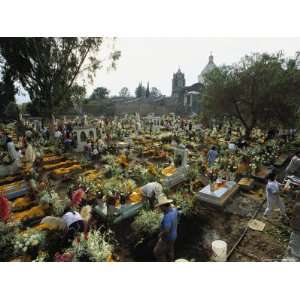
[
  {"x": 219, "y": 249},
  {"x": 181, "y": 260}
]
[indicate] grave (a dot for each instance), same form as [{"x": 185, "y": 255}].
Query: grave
[
  {"x": 220, "y": 195},
  {"x": 181, "y": 169},
  {"x": 82, "y": 135}
]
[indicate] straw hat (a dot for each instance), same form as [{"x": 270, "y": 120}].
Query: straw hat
[{"x": 162, "y": 200}]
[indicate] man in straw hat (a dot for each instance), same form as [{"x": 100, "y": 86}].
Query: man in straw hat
[{"x": 164, "y": 249}]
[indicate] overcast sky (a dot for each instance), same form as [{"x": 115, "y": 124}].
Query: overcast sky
[{"x": 156, "y": 59}]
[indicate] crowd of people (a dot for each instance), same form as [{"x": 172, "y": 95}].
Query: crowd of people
[{"x": 32, "y": 139}]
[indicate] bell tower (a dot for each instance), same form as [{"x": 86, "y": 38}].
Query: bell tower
[{"x": 178, "y": 83}]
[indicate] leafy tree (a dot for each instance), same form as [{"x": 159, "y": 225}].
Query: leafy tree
[
  {"x": 48, "y": 68},
  {"x": 12, "y": 111},
  {"x": 261, "y": 90},
  {"x": 7, "y": 88},
  {"x": 124, "y": 92},
  {"x": 99, "y": 93},
  {"x": 155, "y": 92},
  {"x": 140, "y": 91}
]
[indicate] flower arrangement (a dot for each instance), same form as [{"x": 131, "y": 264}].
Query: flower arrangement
[
  {"x": 59, "y": 205},
  {"x": 21, "y": 203},
  {"x": 34, "y": 212},
  {"x": 185, "y": 202},
  {"x": 8, "y": 233},
  {"x": 42, "y": 256},
  {"x": 26, "y": 241},
  {"x": 98, "y": 247},
  {"x": 146, "y": 222}
]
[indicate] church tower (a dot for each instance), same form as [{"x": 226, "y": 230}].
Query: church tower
[{"x": 178, "y": 83}]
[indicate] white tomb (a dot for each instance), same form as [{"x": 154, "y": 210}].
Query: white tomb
[
  {"x": 218, "y": 195},
  {"x": 82, "y": 135}
]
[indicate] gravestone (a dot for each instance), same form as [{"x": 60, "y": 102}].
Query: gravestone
[
  {"x": 181, "y": 171},
  {"x": 220, "y": 195}
]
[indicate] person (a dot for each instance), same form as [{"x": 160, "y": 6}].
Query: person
[
  {"x": 28, "y": 133},
  {"x": 164, "y": 248},
  {"x": 77, "y": 196},
  {"x": 4, "y": 209},
  {"x": 95, "y": 153},
  {"x": 294, "y": 243},
  {"x": 273, "y": 198},
  {"x": 67, "y": 141},
  {"x": 231, "y": 146},
  {"x": 151, "y": 192},
  {"x": 212, "y": 156},
  {"x": 293, "y": 167},
  {"x": 228, "y": 134},
  {"x": 58, "y": 134},
  {"x": 13, "y": 153},
  {"x": 30, "y": 154},
  {"x": 74, "y": 223}
]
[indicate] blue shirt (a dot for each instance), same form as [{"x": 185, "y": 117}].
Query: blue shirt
[
  {"x": 169, "y": 222},
  {"x": 212, "y": 155}
]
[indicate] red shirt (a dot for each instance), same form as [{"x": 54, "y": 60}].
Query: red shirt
[{"x": 4, "y": 209}]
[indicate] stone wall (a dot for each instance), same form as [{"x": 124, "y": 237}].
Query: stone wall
[{"x": 144, "y": 107}]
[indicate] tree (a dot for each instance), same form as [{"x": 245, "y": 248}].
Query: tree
[
  {"x": 12, "y": 111},
  {"x": 48, "y": 68},
  {"x": 99, "y": 93},
  {"x": 124, "y": 92},
  {"x": 147, "y": 93},
  {"x": 7, "y": 88},
  {"x": 155, "y": 92},
  {"x": 261, "y": 90},
  {"x": 140, "y": 91}
]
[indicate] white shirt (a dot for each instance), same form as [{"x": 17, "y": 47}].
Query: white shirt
[
  {"x": 28, "y": 133},
  {"x": 272, "y": 188},
  {"x": 151, "y": 189},
  {"x": 30, "y": 154},
  {"x": 57, "y": 134},
  {"x": 14, "y": 155},
  {"x": 69, "y": 218},
  {"x": 231, "y": 146}
]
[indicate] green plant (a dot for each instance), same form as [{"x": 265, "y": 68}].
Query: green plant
[
  {"x": 97, "y": 247},
  {"x": 7, "y": 240},
  {"x": 185, "y": 202},
  {"x": 27, "y": 241},
  {"x": 147, "y": 222}
]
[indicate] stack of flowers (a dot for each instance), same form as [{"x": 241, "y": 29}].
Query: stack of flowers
[
  {"x": 26, "y": 241},
  {"x": 97, "y": 248},
  {"x": 34, "y": 212},
  {"x": 146, "y": 222},
  {"x": 21, "y": 203}
]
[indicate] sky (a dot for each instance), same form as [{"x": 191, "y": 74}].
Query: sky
[{"x": 156, "y": 59}]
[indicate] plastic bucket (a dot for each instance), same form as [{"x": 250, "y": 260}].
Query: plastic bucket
[
  {"x": 219, "y": 249},
  {"x": 181, "y": 260}
]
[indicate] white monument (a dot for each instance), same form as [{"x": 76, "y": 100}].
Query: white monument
[{"x": 82, "y": 135}]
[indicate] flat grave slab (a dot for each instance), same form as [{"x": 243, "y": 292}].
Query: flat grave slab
[{"x": 220, "y": 196}]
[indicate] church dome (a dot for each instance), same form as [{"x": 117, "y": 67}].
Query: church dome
[{"x": 208, "y": 68}]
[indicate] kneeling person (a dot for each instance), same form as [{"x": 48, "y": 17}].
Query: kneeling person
[{"x": 151, "y": 192}]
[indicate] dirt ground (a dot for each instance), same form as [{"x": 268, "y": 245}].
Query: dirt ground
[{"x": 196, "y": 233}]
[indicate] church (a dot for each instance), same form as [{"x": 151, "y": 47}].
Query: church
[
  {"x": 184, "y": 100},
  {"x": 187, "y": 97}
]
